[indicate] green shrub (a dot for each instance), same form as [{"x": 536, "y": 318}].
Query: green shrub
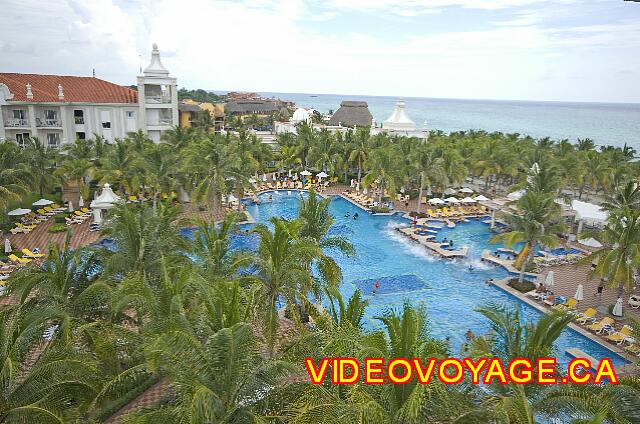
[
  {"x": 58, "y": 228},
  {"x": 380, "y": 209},
  {"x": 524, "y": 287},
  {"x": 59, "y": 217}
]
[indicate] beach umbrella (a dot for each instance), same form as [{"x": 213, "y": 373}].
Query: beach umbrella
[
  {"x": 70, "y": 206},
  {"x": 515, "y": 195},
  {"x": 7, "y": 246},
  {"x": 548, "y": 282},
  {"x": 466, "y": 190},
  {"x": 591, "y": 242},
  {"x": 436, "y": 201},
  {"x": 80, "y": 202},
  {"x": 481, "y": 198},
  {"x": 451, "y": 200},
  {"x": 19, "y": 212},
  {"x": 579, "y": 293},
  {"x": 449, "y": 191},
  {"x": 617, "y": 308},
  {"x": 468, "y": 200},
  {"x": 305, "y": 173},
  {"x": 322, "y": 175},
  {"x": 42, "y": 202}
]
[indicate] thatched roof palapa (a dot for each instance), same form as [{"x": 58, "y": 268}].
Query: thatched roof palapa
[
  {"x": 352, "y": 114},
  {"x": 244, "y": 107}
]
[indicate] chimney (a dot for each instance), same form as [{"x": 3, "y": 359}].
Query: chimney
[
  {"x": 29, "y": 92},
  {"x": 60, "y": 92}
]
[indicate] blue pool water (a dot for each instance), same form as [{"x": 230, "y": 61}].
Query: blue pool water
[{"x": 407, "y": 272}]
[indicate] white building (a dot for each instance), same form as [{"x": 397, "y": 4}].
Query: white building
[
  {"x": 58, "y": 108},
  {"x": 399, "y": 123}
]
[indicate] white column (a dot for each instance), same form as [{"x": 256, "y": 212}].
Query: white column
[{"x": 31, "y": 111}]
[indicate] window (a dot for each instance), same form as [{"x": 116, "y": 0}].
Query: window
[
  {"x": 19, "y": 114},
  {"x": 22, "y": 139},
  {"x": 78, "y": 115},
  {"x": 19, "y": 118},
  {"x": 131, "y": 114},
  {"x": 106, "y": 119},
  {"x": 50, "y": 118},
  {"x": 53, "y": 140},
  {"x": 81, "y": 135}
]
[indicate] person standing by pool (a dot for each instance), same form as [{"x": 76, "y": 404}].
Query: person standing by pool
[{"x": 376, "y": 286}]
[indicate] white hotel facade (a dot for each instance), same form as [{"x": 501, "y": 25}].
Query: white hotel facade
[{"x": 58, "y": 109}]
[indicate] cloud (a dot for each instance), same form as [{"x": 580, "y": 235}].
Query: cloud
[{"x": 303, "y": 46}]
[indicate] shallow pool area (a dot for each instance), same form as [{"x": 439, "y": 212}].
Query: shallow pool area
[{"x": 450, "y": 289}]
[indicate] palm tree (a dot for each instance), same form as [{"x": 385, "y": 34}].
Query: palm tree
[
  {"x": 160, "y": 164},
  {"x": 382, "y": 167},
  {"x": 619, "y": 257},
  {"x": 217, "y": 261},
  {"x": 144, "y": 238},
  {"x": 220, "y": 377},
  {"x": 120, "y": 167},
  {"x": 179, "y": 137},
  {"x": 40, "y": 383},
  {"x": 14, "y": 175},
  {"x": 430, "y": 168},
  {"x": 535, "y": 223},
  {"x": 73, "y": 173},
  {"x": 40, "y": 161},
  {"x": 625, "y": 197},
  {"x": 359, "y": 150}
]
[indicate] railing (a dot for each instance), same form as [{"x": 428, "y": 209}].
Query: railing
[
  {"x": 16, "y": 122},
  {"x": 157, "y": 99},
  {"x": 79, "y": 120},
  {"x": 47, "y": 123}
]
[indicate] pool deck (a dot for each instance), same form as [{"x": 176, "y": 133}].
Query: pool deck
[
  {"x": 431, "y": 245},
  {"x": 630, "y": 369},
  {"x": 505, "y": 263}
]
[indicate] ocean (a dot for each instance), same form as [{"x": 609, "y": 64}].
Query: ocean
[{"x": 605, "y": 123}]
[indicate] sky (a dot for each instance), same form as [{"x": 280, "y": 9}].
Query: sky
[{"x": 561, "y": 50}]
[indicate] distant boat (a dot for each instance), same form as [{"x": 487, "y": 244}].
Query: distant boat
[{"x": 313, "y": 95}]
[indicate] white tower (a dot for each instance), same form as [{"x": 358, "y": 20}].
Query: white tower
[{"x": 157, "y": 97}]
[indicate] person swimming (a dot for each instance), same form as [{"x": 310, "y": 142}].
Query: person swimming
[
  {"x": 355, "y": 215},
  {"x": 347, "y": 215}
]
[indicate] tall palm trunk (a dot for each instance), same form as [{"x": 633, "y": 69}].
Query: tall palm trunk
[{"x": 420, "y": 192}]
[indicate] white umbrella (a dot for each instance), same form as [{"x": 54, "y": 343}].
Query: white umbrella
[
  {"x": 305, "y": 173},
  {"x": 7, "y": 246},
  {"x": 70, "y": 206},
  {"x": 81, "y": 202},
  {"x": 617, "y": 309},
  {"x": 451, "y": 200},
  {"x": 449, "y": 191},
  {"x": 579, "y": 293},
  {"x": 516, "y": 194},
  {"x": 465, "y": 190},
  {"x": 322, "y": 175},
  {"x": 19, "y": 212},
  {"x": 591, "y": 242},
  {"x": 436, "y": 201},
  {"x": 481, "y": 198},
  {"x": 549, "y": 280},
  {"x": 42, "y": 202},
  {"x": 468, "y": 200}
]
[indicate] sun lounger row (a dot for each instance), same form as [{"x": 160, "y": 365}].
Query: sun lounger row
[{"x": 78, "y": 217}]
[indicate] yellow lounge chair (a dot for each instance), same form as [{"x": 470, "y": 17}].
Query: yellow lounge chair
[
  {"x": 599, "y": 327},
  {"x": 133, "y": 199},
  {"x": 80, "y": 214},
  {"x": 29, "y": 254},
  {"x": 13, "y": 258},
  {"x": 28, "y": 227},
  {"x": 589, "y": 315},
  {"x": 634, "y": 349},
  {"x": 571, "y": 303},
  {"x": 85, "y": 210},
  {"x": 619, "y": 337}
]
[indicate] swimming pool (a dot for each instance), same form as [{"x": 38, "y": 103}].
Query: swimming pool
[{"x": 408, "y": 272}]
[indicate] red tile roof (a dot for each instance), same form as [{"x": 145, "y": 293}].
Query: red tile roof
[{"x": 76, "y": 89}]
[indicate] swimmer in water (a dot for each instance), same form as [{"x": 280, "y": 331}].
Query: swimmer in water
[
  {"x": 355, "y": 215},
  {"x": 347, "y": 215}
]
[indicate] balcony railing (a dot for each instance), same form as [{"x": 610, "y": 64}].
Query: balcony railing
[
  {"x": 79, "y": 120},
  {"x": 157, "y": 99},
  {"x": 47, "y": 122},
  {"x": 16, "y": 122}
]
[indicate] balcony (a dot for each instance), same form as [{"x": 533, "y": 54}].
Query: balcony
[
  {"x": 47, "y": 123},
  {"x": 16, "y": 122},
  {"x": 158, "y": 100}
]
